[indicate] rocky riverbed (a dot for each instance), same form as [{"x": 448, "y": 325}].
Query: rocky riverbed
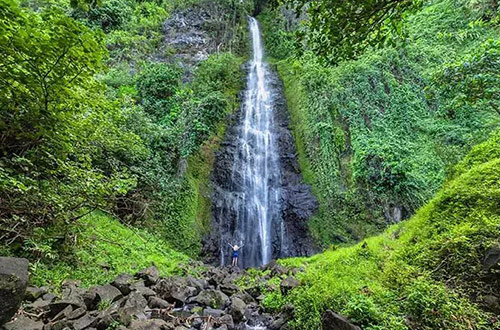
[{"x": 211, "y": 300}]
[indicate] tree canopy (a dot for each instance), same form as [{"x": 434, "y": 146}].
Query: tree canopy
[{"x": 342, "y": 29}]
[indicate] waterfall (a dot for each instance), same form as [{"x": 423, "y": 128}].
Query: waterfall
[
  {"x": 259, "y": 198},
  {"x": 254, "y": 195}
]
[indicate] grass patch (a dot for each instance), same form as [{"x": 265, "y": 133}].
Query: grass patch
[
  {"x": 424, "y": 273},
  {"x": 101, "y": 248}
]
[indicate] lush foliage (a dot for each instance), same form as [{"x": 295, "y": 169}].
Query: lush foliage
[
  {"x": 101, "y": 248},
  {"x": 339, "y": 29},
  {"x": 55, "y": 124},
  {"x": 419, "y": 274},
  {"x": 377, "y": 136},
  {"x": 84, "y": 127}
]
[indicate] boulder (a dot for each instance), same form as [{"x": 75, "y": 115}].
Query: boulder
[
  {"x": 288, "y": 284},
  {"x": 86, "y": 321},
  {"x": 150, "y": 275},
  {"x": 491, "y": 258},
  {"x": 492, "y": 303},
  {"x": 33, "y": 293},
  {"x": 154, "y": 324},
  {"x": 333, "y": 321},
  {"x": 107, "y": 293},
  {"x": 37, "y": 306},
  {"x": 212, "y": 312},
  {"x": 122, "y": 282},
  {"x": 237, "y": 309},
  {"x": 23, "y": 323},
  {"x": 226, "y": 320},
  {"x": 75, "y": 301},
  {"x": 13, "y": 282},
  {"x": 145, "y": 291},
  {"x": 212, "y": 298},
  {"x": 155, "y": 302}
]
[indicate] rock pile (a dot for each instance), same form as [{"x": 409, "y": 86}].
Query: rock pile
[{"x": 212, "y": 300}]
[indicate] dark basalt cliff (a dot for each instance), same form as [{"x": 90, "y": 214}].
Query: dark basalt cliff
[{"x": 297, "y": 201}]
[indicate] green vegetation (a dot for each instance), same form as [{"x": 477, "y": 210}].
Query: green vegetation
[
  {"x": 418, "y": 274},
  {"x": 90, "y": 122},
  {"x": 378, "y": 136},
  {"x": 339, "y": 29},
  {"x": 101, "y": 248}
]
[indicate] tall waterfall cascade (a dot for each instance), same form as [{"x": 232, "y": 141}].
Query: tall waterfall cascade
[
  {"x": 256, "y": 202},
  {"x": 257, "y": 179}
]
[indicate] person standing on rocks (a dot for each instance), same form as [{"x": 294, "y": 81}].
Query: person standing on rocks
[{"x": 236, "y": 250}]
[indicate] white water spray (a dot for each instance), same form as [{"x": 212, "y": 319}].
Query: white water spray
[{"x": 254, "y": 200}]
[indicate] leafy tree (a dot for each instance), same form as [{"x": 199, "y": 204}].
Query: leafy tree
[
  {"x": 156, "y": 86},
  {"x": 343, "y": 29},
  {"x": 473, "y": 82},
  {"x": 61, "y": 144}
]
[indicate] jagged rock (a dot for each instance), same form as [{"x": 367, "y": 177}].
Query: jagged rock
[
  {"x": 492, "y": 303},
  {"x": 37, "y": 306},
  {"x": 49, "y": 297},
  {"x": 23, "y": 323},
  {"x": 75, "y": 300},
  {"x": 132, "y": 308},
  {"x": 333, "y": 321},
  {"x": 77, "y": 313},
  {"x": 198, "y": 284},
  {"x": 90, "y": 299},
  {"x": 122, "y": 282},
  {"x": 106, "y": 293},
  {"x": 13, "y": 282},
  {"x": 492, "y": 258},
  {"x": 154, "y": 324},
  {"x": 245, "y": 296},
  {"x": 212, "y": 312},
  {"x": 288, "y": 284},
  {"x": 33, "y": 293},
  {"x": 63, "y": 314},
  {"x": 150, "y": 275},
  {"x": 237, "y": 309},
  {"x": 145, "y": 291},
  {"x": 227, "y": 320},
  {"x": 85, "y": 322},
  {"x": 229, "y": 288},
  {"x": 155, "y": 302},
  {"x": 212, "y": 298},
  {"x": 284, "y": 316},
  {"x": 176, "y": 290}
]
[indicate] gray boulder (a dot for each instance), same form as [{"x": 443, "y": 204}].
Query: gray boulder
[
  {"x": 212, "y": 312},
  {"x": 14, "y": 277},
  {"x": 333, "y": 321},
  {"x": 23, "y": 323},
  {"x": 288, "y": 284},
  {"x": 212, "y": 298},
  {"x": 122, "y": 282},
  {"x": 33, "y": 293},
  {"x": 150, "y": 275},
  {"x": 153, "y": 324},
  {"x": 237, "y": 309}
]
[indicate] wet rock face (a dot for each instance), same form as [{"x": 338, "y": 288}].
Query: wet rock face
[
  {"x": 297, "y": 202},
  {"x": 146, "y": 301},
  {"x": 191, "y": 35},
  {"x": 13, "y": 282}
]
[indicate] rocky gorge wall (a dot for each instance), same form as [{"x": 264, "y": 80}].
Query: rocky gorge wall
[{"x": 296, "y": 199}]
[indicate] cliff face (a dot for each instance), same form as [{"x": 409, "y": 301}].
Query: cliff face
[
  {"x": 289, "y": 234},
  {"x": 191, "y": 34}
]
